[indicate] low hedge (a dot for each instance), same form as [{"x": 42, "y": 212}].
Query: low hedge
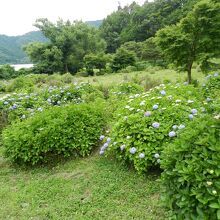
[
  {"x": 68, "y": 130},
  {"x": 191, "y": 176}
]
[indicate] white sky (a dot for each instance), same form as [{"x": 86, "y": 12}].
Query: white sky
[{"x": 17, "y": 16}]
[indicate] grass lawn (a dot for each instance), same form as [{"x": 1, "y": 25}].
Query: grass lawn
[
  {"x": 161, "y": 75},
  {"x": 90, "y": 188}
]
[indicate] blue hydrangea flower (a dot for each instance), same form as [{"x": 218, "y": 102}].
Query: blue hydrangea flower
[
  {"x": 101, "y": 137},
  {"x": 163, "y": 92},
  {"x": 14, "y": 106},
  {"x": 172, "y": 134},
  {"x": 175, "y": 127},
  {"x": 208, "y": 100},
  {"x": 122, "y": 147},
  {"x": 155, "y": 107},
  {"x": 141, "y": 155},
  {"x": 147, "y": 114},
  {"x": 156, "y": 156},
  {"x": 27, "y": 96},
  {"x": 191, "y": 116},
  {"x": 194, "y": 111},
  {"x": 5, "y": 103},
  {"x": 216, "y": 75},
  {"x": 133, "y": 150},
  {"x": 108, "y": 140},
  {"x": 105, "y": 145},
  {"x": 181, "y": 127},
  {"x": 156, "y": 125},
  {"x": 103, "y": 148}
]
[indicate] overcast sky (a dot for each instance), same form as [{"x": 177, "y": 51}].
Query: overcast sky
[{"x": 17, "y": 16}]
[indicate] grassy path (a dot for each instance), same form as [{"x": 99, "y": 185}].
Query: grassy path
[{"x": 91, "y": 188}]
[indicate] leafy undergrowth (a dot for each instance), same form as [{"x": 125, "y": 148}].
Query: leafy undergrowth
[{"x": 90, "y": 188}]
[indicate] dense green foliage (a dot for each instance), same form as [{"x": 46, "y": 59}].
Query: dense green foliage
[
  {"x": 23, "y": 105},
  {"x": 149, "y": 121},
  {"x": 191, "y": 174},
  {"x": 64, "y": 131},
  {"x": 122, "y": 59},
  {"x": 195, "y": 38},
  {"x": 138, "y": 23},
  {"x": 69, "y": 43},
  {"x": 51, "y": 122},
  {"x": 96, "y": 61},
  {"x": 7, "y": 72}
]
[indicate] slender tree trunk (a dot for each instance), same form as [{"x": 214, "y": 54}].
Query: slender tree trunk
[
  {"x": 66, "y": 68},
  {"x": 189, "y": 72}
]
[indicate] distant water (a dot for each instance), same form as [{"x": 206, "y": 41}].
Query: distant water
[{"x": 19, "y": 66}]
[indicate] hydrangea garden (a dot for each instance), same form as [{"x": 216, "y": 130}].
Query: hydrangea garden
[{"x": 170, "y": 128}]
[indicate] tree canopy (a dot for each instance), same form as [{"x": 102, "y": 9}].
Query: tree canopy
[
  {"x": 69, "y": 43},
  {"x": 138, "y": 23},
  {"x": 195, "y": 38}
]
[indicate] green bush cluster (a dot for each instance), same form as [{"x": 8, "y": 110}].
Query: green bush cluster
[
  {"x": 23, "y": 105},
  {"x": 191, "y": 176},
  {"x": 212, "y": 85},
  {"x": 151, "y": 120},
  {"x": 68, "y": 130}
]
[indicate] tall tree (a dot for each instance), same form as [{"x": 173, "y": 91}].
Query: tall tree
[
  {"x": 138, "y": 23},
  {"x": 73, "y": 40},
  {"x": 113, "y": 25},
  {"x": 48, "y": 58},
  {"x": 194, "y": 38}
]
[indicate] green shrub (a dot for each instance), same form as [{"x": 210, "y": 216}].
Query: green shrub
[
  {"x": 122, "y": 59},
  {"x": 191, "y": 176},
  {"x": 7, "y": 72},
  {"x": 127, "y": 88},
  {"x": 23, "y": 105},
  {"x": 212, "y": 85},
  {"x": 143, "y": 125},
  {"x": 21, "y": 83},
  {"x": 128, "y": 69},
  {"x": 67, "y": 130}
]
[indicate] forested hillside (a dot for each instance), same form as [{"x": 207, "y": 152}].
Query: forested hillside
[{"x": 11, "y": 47}]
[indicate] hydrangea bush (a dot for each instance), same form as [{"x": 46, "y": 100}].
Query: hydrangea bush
[
  {"x": 23, "y": 105},
  {"x": 211, "y": 85},
  {"x": 73, "y": 129},
  {"x": 191, "y": 176},
  {"x": 151, "y": 120}
]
